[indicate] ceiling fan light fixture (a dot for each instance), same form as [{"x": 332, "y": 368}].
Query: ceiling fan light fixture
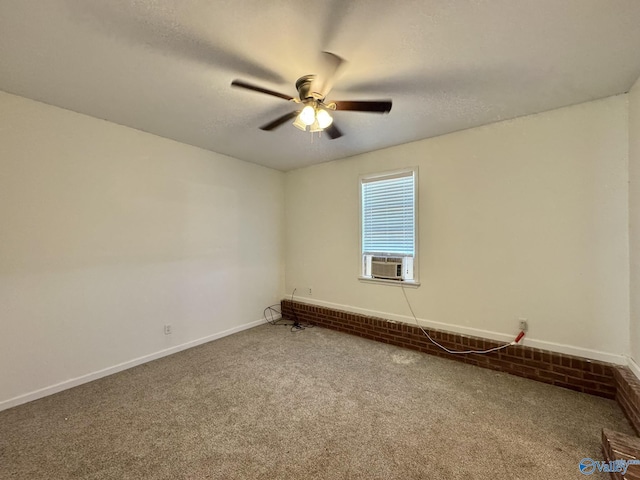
[
  {"x": 307, "y": 115},
  {"x": 315, "y": 127},
  {"x": 298, "y": 123},
  {"x": 323, "y": 119}
]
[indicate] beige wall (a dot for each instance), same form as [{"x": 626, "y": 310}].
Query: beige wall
[
  {"x": 108, "y": 233},
  {"x": 523, "y": 218},
  {"x": 634, "y": 220}
]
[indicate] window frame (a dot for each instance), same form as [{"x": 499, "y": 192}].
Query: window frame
[{"x": 416, "y": 270}]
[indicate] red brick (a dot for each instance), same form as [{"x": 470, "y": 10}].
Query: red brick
[{"x": 567, "y": 371}]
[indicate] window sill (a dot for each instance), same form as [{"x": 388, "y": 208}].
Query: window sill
[{"x": 394, "y": 283}]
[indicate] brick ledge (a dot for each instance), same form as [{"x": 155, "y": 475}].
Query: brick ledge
[
  {"x": 618, "y": 446},
  {"x": 567, "y": 371}
]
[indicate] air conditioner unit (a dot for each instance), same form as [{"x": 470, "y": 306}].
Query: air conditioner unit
[{"x": 389, "y": 268}]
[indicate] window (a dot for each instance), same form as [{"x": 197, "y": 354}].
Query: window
[{"x": 388, "y": 223}]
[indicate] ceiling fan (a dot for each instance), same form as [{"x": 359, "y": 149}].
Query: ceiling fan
[{"x": 312, "y": 94}]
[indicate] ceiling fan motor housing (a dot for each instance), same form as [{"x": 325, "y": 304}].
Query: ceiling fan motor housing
[{"x": 303, "y": 85}]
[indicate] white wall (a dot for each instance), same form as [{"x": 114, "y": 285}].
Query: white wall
[
  {"x": 108, "y": 233},
  {"x": 634, "y": 220},
  {"x": 523, "y": 218}
]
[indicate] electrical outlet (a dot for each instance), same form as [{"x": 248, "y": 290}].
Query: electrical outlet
[
  {"x": 524, "y": 324},
  {"x": 309, "y": 291},
  {"x": 167, "y": 329}
]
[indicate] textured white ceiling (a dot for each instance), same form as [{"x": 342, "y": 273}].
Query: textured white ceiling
[{"x": 165, "y": 66}]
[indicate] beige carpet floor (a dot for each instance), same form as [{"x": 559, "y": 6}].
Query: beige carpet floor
[{"x": 316, "y": 404}]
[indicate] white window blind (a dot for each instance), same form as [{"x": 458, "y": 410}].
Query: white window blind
[{"x": 388, "y": 216}]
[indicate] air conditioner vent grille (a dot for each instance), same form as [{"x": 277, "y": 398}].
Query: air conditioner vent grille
[
  {"x": 387, "y": 259},
  {"x": 389, "y": 268}
]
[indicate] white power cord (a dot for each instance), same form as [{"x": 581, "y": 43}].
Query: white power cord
[{"x": 454, "y": 352}]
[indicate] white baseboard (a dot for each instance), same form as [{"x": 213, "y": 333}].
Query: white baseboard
[
  {"x": 74, "y": 382},
  {"x": 633, "y": 366},
  {"x": 476, "y": 332}
]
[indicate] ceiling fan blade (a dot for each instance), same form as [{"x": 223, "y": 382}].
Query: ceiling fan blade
[
  {"x": 333, "y": 131},
  {"x": 332, "y": 66},
  {"x": 335, "y": 14},
  {"x": 375, "y": 106},
  {"x": 449, "y": 79},
  {"x": 279, "y": 121},
  {"x": 145, "y": 25},
  {"x": 255, "y": 88}
]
